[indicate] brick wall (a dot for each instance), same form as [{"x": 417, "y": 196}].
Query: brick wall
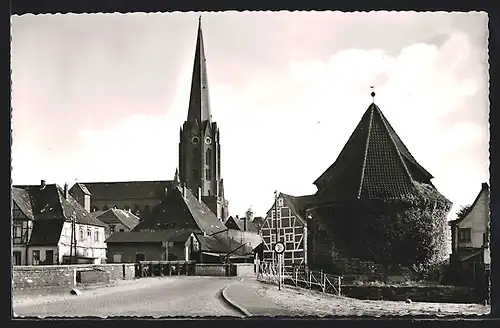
[{"x": 27, "y": 277}]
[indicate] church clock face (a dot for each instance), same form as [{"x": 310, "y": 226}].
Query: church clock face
[
  {"x": 208, "y": 141},
  {"x": 195, "y": 140}
]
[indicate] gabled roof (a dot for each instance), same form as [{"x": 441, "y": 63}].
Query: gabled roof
[
  {"x": 374, "y": 164},
  {"x": 178, "y": 212},
  {"x": 83, "y": 188},
  {"x": 484, "y": 189},
  {"x": 114, "y": 216},
  {"x": 216, "y": 243},
  {"x": 149, "y": 236},
  {"x": 239, "y": 224},
  {"x": 21, "y": 198},
  {"x": 46, "y": 232},
  {"x": 124, "y": 190},
  {"x": 50, "y": 203},
  {"x": 297, "y": 205}
]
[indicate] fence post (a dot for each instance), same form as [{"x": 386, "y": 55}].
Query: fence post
[
  {"x": 323, "y": 281},
  {"x": 310, "y": 278},
  {"x": 339, "y": 283}
]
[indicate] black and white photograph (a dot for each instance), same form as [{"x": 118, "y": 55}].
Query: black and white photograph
[{"x": 250, "y": 164}]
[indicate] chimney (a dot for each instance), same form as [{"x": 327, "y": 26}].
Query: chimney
[
  {"x": 199, "y": 194},
  {"x": 245, "y": 223},
  {"x": 65, "y": 190},
  {"x": 42, "y": 184}
]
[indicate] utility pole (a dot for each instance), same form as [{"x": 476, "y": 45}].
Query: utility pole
[{"x": 73, "y": 229}]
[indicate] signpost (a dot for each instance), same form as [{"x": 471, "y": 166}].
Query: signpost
[{"x": 279, "y": 248}]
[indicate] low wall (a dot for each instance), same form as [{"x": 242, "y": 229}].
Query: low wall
[
  {"x": 27, "y": 277},
  {"x": 442, "y": 294},
  {"x": 245, "y": 269},
  {"x": 221, "y": 270}
]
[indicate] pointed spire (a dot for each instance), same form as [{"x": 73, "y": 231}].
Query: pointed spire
[{"x": 199, "y": 101}]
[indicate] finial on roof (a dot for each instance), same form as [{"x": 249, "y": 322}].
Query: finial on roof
[
  {"x": 373, "y": 93},
  {"x": 199, "y": 20}
]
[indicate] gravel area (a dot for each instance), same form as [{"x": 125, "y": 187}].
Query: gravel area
[
  {"x": 153, "y": 297},
  {"x": 306, "y": 302}
]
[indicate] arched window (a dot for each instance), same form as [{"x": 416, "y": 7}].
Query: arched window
[
  {"x": 208, "y": 156},
  {"x": 105, "y": 208},
  {"x": 137, "y": 210}
]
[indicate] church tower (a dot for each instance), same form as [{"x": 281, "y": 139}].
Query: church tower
[{"x": 199, "y": 146}]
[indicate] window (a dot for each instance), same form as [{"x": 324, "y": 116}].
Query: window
[
  {"x": 289, "y": 237},
  {"x": 82, "y": 234},
  {"x": 208, "y": 173},
  {"x": 121, "y": 230},
  {"x": 96, "y": 236},
  {"x": 280, "y": 202},
  {"x": 35, "y": 257},
  {"x": 16, "y": 258},
  {"x": 117, "y": 258},
  {"x": 89, "y": 234},
  {"x": 49, "y": 257},
  {"x": 111, "y": 229},
  {"x": 273, "y": 238},
  {"x": 20, "y": 232},
  {"x": 285, "y": 211},
  {"x": 137, "y": 210},
  {"x": 464, "y": 235}
]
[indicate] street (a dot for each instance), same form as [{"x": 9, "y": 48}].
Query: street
[{"x": 156, "y": 297}]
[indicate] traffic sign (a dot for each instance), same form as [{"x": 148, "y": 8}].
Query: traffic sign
[{"x": 279, "y": 247}]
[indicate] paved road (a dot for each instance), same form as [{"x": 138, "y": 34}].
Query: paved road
[{"x": 156, "y": 297}]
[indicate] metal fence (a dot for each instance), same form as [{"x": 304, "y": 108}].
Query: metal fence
[
  {"x": 300, "y": 276},
  {"x": 164, "y": 268}
]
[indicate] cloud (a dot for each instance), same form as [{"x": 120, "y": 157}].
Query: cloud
[{"x": 281, "y": 128}]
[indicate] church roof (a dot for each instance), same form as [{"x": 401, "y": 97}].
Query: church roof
[
  {"x": 180, "y": 209},
  {"x": 124, "y": 190},
  {"x": 374, "y": 164},
  {"x": 199, "y": 100}
]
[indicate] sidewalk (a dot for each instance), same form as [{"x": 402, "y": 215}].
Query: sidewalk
[{"x": 247, "y": 294}]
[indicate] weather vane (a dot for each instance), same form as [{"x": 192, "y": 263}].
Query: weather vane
[{"x": 373, "y": 92}]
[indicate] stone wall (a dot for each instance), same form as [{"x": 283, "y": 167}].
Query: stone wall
[
  {"x": 445, "y": 294},
  {"x": 245, "y": 269},
  {"x": 28, "y": 277},
  {"x": 221, "y": 270}
]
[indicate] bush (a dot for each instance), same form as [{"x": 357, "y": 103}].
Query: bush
[{"x": 410, "y": 233}]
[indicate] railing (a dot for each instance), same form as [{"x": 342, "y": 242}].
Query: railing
[
  {"x": 164, "y": 268},
  {"x": 300, "y": 276}
]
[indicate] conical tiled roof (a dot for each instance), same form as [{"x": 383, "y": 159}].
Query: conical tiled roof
[{"x": 374, "y": 164}]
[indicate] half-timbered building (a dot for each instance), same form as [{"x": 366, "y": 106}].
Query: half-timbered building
[{"x": 286, "y": 222}]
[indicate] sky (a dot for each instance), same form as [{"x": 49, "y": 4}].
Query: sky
[{"x": 101, "y": 97}]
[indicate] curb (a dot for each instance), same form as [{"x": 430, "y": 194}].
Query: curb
[{"x": 233, "y": 304}]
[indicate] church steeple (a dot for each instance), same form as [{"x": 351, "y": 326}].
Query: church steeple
[{"x": 199, "y": 101}]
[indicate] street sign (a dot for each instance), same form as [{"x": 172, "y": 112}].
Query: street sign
[{"x": 279, "y": 247}]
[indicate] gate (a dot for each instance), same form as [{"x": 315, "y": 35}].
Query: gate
[{"x": 300, "y": 276}]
